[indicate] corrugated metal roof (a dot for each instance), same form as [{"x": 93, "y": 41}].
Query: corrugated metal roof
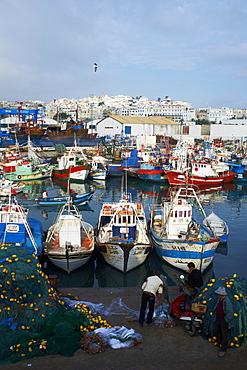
[{"x": 155, "y": 120}]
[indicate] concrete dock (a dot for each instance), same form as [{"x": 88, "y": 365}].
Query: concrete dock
[{"x": 162, "y": 348}]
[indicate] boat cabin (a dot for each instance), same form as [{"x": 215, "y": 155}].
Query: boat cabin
[
  {"x": 12, "y": 224},
  {"x": 70, "y": 231},
  {"x": 204, "y": 168},
  {"x": 66, "y": 161},
  {"x": 121, "y": 221},
  {"x": 177, "y": 217}
]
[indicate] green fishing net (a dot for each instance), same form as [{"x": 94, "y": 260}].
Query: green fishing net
[
  {"x": 34, "y": 319},
  {"x": 236, "y": 288}
]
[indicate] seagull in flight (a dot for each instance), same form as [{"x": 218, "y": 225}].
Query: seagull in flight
[{"x": 95, "y": 67}]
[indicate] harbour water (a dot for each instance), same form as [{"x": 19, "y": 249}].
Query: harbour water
[{"x": 228, "y": 202}]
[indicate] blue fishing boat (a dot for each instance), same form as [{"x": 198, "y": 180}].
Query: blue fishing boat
[
  {"x": 177, "y": 237},
  {"x": 152, "y": 172},
  {"x": 17, "y": 230},
  {"x": 75, "y": 199}
]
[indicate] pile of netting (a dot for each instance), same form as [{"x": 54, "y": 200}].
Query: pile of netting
[
  {"x": 34, "y": 319},
  {"x": 236, "y": 288}
]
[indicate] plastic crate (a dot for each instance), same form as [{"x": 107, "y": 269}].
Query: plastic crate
[{"x": 198, "y": 308}]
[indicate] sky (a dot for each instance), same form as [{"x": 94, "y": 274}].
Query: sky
[{"x": 189, "y": 50}]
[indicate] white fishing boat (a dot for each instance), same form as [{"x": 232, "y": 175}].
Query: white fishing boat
[
  {"x": 99, "y": 169},
  {"x": 121, "y": 234},
  {"x": 177, "y": 237},
  {"x": 70, "y": 240},
  {"x": 219, "y": 226}
]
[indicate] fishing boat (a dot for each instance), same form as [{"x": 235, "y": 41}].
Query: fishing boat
[
  {"x": 19, "y": 169},
  {"x": 75, "y": 199},
  {"x": 26, "y": 171},
  {"x": 16, "y": 229},
  {"x": 65, "y": 135},
  {"x": 202, "y": 173},
  {"x": 152, "y": 172},
  {"x": 73, "y": 165},
  {"x": 176, "y": 235},
  {"x": 219, "y": 226},
  {"x": 99, "y": 169},
  {"x": 121, "y": 234},
  {"x": 70, "y": 240}
]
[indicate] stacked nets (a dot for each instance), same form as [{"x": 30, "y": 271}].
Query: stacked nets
[
  {"x": 236, "y": 288},
  {"x": 34, "y": 321}
]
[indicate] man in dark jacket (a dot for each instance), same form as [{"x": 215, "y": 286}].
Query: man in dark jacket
[{"x": 195, "y": 276}]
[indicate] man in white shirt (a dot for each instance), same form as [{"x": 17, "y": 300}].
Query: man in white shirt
[{"x": 153, "y": 285}]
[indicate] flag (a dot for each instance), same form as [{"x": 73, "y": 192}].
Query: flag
[{"x": 12, "y": 191}]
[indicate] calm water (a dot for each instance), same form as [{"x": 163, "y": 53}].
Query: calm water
[{"x": 229, "y": 203}]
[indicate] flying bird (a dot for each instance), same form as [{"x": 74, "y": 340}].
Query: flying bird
[{"x": 95, "y": 67}]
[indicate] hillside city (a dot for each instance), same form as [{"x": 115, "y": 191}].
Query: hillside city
[{"x": 94, "y": 107}]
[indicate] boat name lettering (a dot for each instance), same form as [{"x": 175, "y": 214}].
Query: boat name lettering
[
  {"x": 124, "y": 230},
  {"x": 12, "y": 228},
  {"x": 178, "y": 247}
]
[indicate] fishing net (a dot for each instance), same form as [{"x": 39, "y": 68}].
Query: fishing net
[
  {"x": 236, "y": 288},
  {"x": 34, "y": 319}
]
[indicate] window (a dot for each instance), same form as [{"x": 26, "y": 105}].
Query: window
[{"x": 127, "y": 130}]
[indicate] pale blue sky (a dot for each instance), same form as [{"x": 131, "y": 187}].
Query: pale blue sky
[{"x": 189, "y": 50}]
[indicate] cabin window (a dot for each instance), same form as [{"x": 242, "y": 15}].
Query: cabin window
[
  {"x": 124, "y": 220},
  {"x": 171, "y": 214},
  {"x": 176, "y": 214},
  {"x": 185, "y": 212},
  {"x": 13, "y": 218},
  {"x": 189, "y": 213},
  {"x": 180, "y": 213}
]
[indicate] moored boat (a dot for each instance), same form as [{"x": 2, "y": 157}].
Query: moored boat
[
  {"x": 202, "y": 173},
  {"x": 177, "y": 237},
  {"x": 152, "y": 172},
  {"x": 121, "y": 234},
  {"x": 26, "y": 171},
  {"x": 74, "y": 198},
  {"x": 16, "y": 229},
  {"x": 99, "y": 169},
  {"x": 72, "y": 166},
  {"x": 70, "y": 240},
  {"x": 219, "y": 226}
]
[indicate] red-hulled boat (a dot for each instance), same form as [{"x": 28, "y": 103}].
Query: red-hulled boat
[{"x": 203, "y": 173}]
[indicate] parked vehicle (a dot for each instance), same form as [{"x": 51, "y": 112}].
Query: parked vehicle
[{"x": 189, "y": 314}]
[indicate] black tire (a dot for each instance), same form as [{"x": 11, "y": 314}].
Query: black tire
[{"x": 192, "y": 330}]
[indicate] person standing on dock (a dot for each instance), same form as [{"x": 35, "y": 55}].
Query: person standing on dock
[
  {"x": 151, "y": 287},
  {"x": 222, "y": 318},
  {"x": 195, "y": 276}
]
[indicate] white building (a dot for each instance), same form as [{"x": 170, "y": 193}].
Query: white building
[{"x": 116, "y": 125}]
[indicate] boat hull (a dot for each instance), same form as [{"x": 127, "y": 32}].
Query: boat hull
[
  {"x": 122, "y": 257},
  {"x": 98, "y": 175},
  {"x": 179, "y": 253},
  {"x": 76, "y": 199},
  {"x": 77, "y": 173},
  {"x": 152, "y": 175},
  {"x": 180, "y": 178},
  {"x": 73, "y": 263}
]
